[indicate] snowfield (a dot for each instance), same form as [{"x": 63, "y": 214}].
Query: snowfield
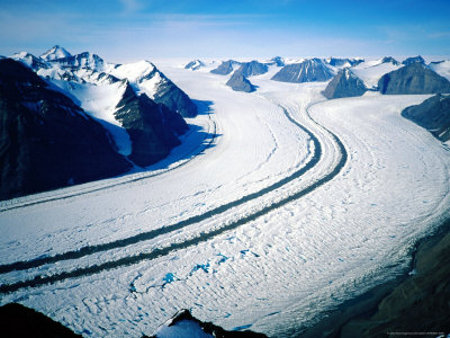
[{"x": 278, "y": 206}]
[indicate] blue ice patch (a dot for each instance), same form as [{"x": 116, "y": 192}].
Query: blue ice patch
[{"x": 169, "y": 278}]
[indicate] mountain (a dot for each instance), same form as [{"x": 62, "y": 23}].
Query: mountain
[
  {"x": 144, "y": 76},
  {"x": 414, "y": 59},
  {"x": 153, "y": 128},
  {"x": 30, "y": 60},
  {"x": 226, "y": 67},
  {"x": 432, "y": 114},
  {"x": 338, "y": 62},
  {"x": 278, "y": 61},
  {"x": 306, "y": 71},
  {"x": 414, "y": 78},
  {"x": 389, "y": 59},
  {"x": 194, "y": 65},
  {"x": 253, "y": 68},
  {"x": 344, "y": 84},
  {"x": 371, "y": 71},
  {"x": 239, "y": 82},
  {"x": 59, "y": 64},
  {"x": 55, "y": 53},
  {"x": 83, "y": 60},
  {"x": 47, "y": 141}
]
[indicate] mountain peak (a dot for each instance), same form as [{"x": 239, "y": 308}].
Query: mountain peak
[{"x": 55, "y": 53}]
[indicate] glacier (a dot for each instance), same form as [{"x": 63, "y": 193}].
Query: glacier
[{"x": 295, "y": 205}]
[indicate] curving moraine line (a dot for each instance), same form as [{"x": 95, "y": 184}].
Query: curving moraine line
[{"x": 202, "y": 237}]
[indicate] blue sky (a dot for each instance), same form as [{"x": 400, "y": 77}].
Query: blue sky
[{"x": 124, "y": 30}]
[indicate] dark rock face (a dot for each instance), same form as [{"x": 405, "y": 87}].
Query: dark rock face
[
  {"x": 413, "y": 79},
  {"x": 344, "y": 84},
  {"x": 174, "y": 98},
  {"x": 390, "y": 59},
  {"x": 210, "y": 328},
  {"x": 153, "y": 128},
  {"x": 17, "y": 320},
  {"x": 253, "y": 68},
  {"x": 433, "y": 114},
  {"x": 239, "y": 82},
  {"x": 46, "y": 141},
  {"x": 414, "y": 59},
  {"x": 307, "y": 71},
  {"x": 225, "y": 68}
]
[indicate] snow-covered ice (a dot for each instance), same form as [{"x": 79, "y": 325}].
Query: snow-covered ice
[{"x": 280, "y": 269}]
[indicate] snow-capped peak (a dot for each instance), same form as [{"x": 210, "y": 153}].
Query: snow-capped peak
[
  {"x": 55, "y": 53},
  {"x": 134, "y": 72}
]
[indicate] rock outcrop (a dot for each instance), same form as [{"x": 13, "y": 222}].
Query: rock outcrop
[
  {"x": 153, "y": 128},
  {"x": 239, "y": 82},
  {"x": 414, "y": 59},
  {"x": 307, "y": 71},
  {"x": 413, "y": 79},
  {"x": 226, "y": 67},
  {"x": 253, "y": 68},
  {"x": 344, "y": 84},
  {"x": 433, "y": 114},
  {"x": 390, "y": 59},
  {"x": 194, "y": 65}
]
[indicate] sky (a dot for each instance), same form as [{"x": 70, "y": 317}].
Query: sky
[{"x": 126, "y": 30}]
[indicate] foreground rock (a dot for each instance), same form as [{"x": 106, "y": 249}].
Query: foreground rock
[
  {"x": 185, "y": 325},
  {"x": 240, "y": 83},
  {"x": 433, "y": 114},
  {"x": 46, "y": 140},
  {"x": 307, "y": 71},
  {"x": 17, "y": 320},
  {"x": 420, "y": 304},
  {"x": 413, "y": 79},
  {"x": 344, "y": 84}
]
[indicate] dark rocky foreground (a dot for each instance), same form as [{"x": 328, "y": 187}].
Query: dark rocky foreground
[
  {"x": 17, "y": 320},
  {"x": 433, "y": 114},
  {"x": 206, "y": 328},
  {"x": 412, "y": 305}
]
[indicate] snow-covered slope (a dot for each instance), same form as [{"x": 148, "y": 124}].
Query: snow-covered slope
[
  {"x": 371, "y": 71},
  {"x": 296, "y": 205},
  {"x": 442, "y": 68},
  {"x": 101, "y": 101}
]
